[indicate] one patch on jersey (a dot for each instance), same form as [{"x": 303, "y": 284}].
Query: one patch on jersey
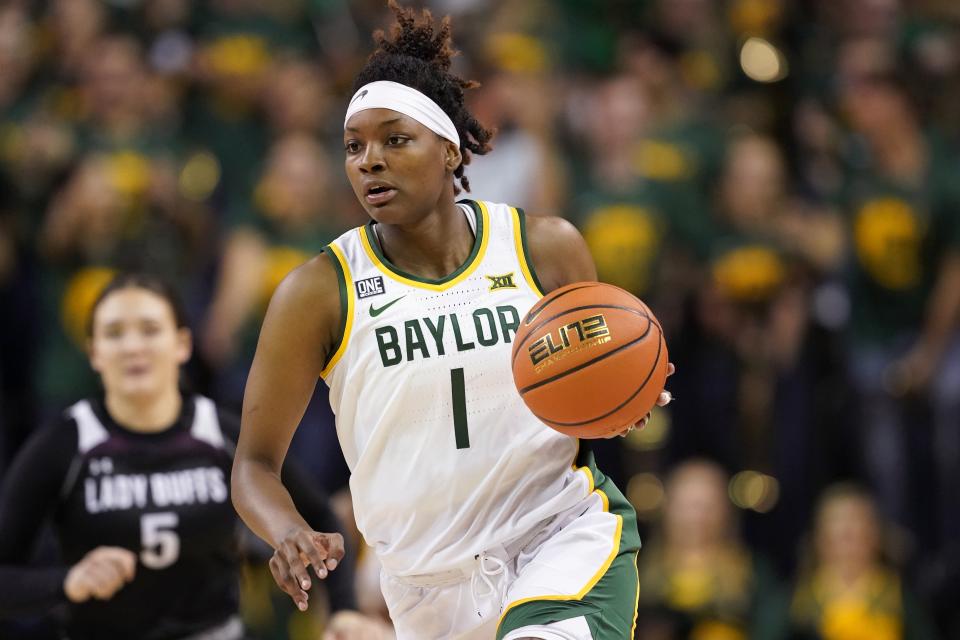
[
  {"x": 502, "y": 282},
  {"x": 370, "y": 287}
]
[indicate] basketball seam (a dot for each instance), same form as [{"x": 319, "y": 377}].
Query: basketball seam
[
  {"x": 542, "y": 304},
  {"x": 622, "y": 404},
  {"x": 583, "y": 365},
  {"x": 519, "y": 341}
]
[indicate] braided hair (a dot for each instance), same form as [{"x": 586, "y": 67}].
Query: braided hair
[{"x": 418, "y": 54}]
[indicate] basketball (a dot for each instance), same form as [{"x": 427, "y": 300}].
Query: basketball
[{"x": 589, "y": 360}]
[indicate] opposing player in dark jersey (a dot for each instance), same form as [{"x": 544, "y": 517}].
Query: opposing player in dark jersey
[{"x": 138, "y": 487}]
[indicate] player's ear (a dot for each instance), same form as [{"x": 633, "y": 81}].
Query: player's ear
[
  {"x": 92, "y": 355},
  {"x": 452, "y": 158},
  {"x": 184, "y": 345}
]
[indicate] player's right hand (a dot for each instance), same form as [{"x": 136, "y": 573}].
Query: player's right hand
[
  {"x": 100, "y": 574},
  {"x": 663, "y": 400},
  {"x": 302, "y": 548}
]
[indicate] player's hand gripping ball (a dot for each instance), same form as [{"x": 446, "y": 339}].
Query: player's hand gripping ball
[{"x": 590, "y": 360}]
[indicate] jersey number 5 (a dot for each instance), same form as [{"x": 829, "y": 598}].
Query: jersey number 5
[{"x": 161, "y": 544}]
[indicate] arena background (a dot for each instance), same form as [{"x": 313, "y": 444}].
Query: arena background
[{"x": 777, "y": 179}]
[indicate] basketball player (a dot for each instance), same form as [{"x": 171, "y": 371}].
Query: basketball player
[
  {"x": 486, "y": 522},
  {"x": 137, "y": 484}
]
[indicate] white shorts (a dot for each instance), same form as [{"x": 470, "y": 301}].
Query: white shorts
[{"x": 572, "y": 579}]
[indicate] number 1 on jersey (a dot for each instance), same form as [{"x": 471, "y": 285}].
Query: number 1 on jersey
[{"x": 459, "y": 409}]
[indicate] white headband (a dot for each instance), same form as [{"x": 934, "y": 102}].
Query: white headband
[{"x": 384, "y": 94}]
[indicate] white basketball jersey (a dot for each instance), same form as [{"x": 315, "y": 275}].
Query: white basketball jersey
[{"x": 446, "y": 461}]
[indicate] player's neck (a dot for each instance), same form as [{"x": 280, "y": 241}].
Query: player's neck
[
  {"x": 434, "y": 247},
  {"x": 145, "y": 415}
]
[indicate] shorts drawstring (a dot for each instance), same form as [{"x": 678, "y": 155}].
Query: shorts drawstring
[{"x": 485, "y": 575}]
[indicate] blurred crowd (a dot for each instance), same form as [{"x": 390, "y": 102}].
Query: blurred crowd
[{"x": 776, "y": 178}]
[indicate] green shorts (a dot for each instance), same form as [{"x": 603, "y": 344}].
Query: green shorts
[{"x": 606, "y": 600}]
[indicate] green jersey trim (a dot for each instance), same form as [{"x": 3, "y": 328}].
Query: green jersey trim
[
  {"x": 371, "y": 245},
  {"x": 524, "y": 251},
  {"x": 346, "y": 307}
]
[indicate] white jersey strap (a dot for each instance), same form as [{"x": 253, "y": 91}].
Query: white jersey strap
[
  {"x": 206, "y": 425},
  {"x": 470, "y": 215},
  {"x": 90, "y": 431}
]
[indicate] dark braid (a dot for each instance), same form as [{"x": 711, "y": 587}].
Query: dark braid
[{"x": 418, "y": 55}]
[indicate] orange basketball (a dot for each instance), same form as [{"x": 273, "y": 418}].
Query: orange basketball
[{"x": 590, "y": 359}]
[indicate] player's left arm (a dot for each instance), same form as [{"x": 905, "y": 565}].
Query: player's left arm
[
  {"x": 558, "y": 252},
  {"x": 314, "y": 505},
  {"x": 560, "y": 256}
]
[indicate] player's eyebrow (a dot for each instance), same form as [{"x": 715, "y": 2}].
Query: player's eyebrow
[{"x": 379, "y": 126}]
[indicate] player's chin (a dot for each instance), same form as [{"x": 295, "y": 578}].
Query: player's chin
[
  {"x": 389, "y": 213},
  {"x": 140, "y": 389}
]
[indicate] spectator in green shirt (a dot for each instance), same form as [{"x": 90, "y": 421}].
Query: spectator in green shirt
[
  {"x": 287, "y": 223},
  {"x": 903, "y": 218},
  {"x": 697, "y": 579},
  {"x": 120, "y": 207},
  {"x": 847, "y": 591},
  {"x": 292, "y": 215}
]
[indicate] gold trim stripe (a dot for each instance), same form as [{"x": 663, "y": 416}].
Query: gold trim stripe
[
  {"x": 636, "y": 601},
  {"x": 348, "y": 282}
]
